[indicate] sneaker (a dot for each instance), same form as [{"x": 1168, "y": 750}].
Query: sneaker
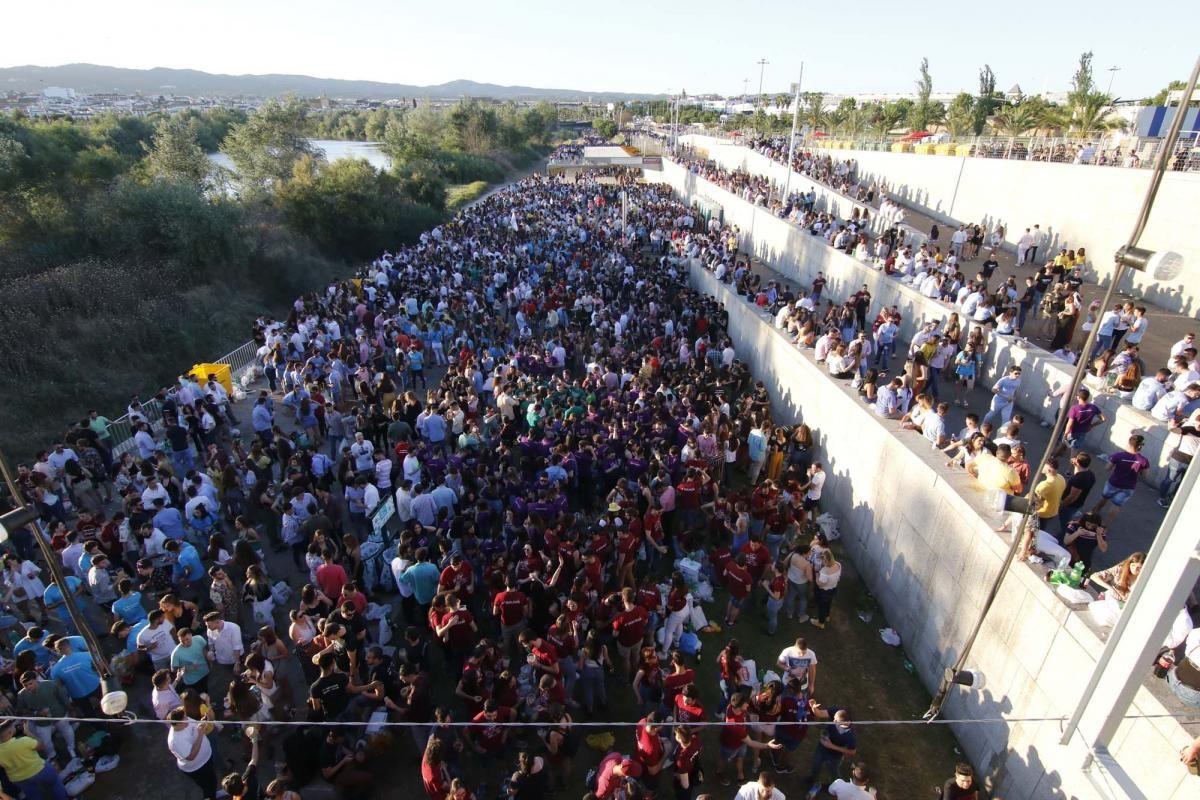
[
  {"x": 814, "y": 791},
  {"x": 817, "y": 624},
  {"x": 1164, "y": 503},
  {"x": 803, "y": 618}
]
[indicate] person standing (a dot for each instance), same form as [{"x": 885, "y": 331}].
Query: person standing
[
  {"x": 26, "y": 769},
  {"x": 1004, "y": 393},
  {"x": 188, "y": 742},
  {"x": 838, "y": 741},
  {"x": 1125, "y": 467},
  {"x": 1038, "y": 241},
  {"x": 827, "y": 580},
  {"x": 1024, "y": 244},
  {"x": 39, "y": 698}
]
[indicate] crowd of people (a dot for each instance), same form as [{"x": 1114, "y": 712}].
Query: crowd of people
[{"x": 572, "y": 458}]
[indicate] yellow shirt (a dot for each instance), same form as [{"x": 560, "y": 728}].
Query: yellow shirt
[
  {"x": 20, "y": 759},
  {"x": 996, "y": 475},
  {"x": 1050, "y": 491}
]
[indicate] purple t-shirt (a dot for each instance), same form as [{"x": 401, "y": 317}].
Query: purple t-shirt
[
  {"x": 1125, "y": 469},
  {"x": 1083, "y": 416}
]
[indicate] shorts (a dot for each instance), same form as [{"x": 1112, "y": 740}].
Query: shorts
[
  {"x": 810, "y": 504},
  {"x": 967, "y": 382},
  {"x": 1074, "y": 442},
  {"x": 1119, "y": 497},
  {"x": 739, "y": 603},
  {"x": 735, "y": 754}
]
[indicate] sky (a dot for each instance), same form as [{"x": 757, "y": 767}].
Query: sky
[{"x": 624, "y": 46}]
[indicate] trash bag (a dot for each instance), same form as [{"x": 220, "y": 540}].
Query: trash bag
[{"x": 601, "y": 741}]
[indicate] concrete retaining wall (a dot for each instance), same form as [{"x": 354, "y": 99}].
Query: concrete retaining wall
[
  {"x": 917, "y": 536},
  {"x": 797, "y": 255}
]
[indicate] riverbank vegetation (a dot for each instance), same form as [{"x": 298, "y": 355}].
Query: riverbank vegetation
[{"x": 127, "y": 254}]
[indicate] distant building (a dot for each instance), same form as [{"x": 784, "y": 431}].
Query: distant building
[{"x": 58, "y": 93}]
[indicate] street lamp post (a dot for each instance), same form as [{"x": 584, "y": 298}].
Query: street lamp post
[
  {"x": 787, "y": 184},
  {"x": 1112, "y": 73},
  {"x": 762, "y": 64}
]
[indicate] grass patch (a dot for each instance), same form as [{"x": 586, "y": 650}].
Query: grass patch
[{"x": 461, "y": 194}]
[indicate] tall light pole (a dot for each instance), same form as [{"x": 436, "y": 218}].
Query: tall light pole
[
  {"x": 1112, "y": 73},
  {"x": 787, "y": 184},
  {"x": 762, "y": 65}
]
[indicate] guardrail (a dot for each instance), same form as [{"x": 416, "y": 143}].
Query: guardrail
[
  {"x": 121, "y": 430},
  {"x": 1126, "y": 152}
]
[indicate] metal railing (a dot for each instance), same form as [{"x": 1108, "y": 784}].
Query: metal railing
[
  {"x": 121, "y": 430},
  {"x": 1103, "y": 150}
]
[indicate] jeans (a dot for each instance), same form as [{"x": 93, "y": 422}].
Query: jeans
[
  {"x": 1001, "y": 412},
  {"x": 569, "y": 671},
  {"x": 796, "y": 600},
  {"x": 335, "y": 446},
  {"x": 824, "y": 758},
  {"x": 1170, "y": 482},
  {"x": 773, "y": 607},
  {"x": 824, "y": 603},
  {"x": 592, "y": 679},
  {"x": 47, "y": 785},
  {"x": 886, "y": 351},
  {"x": 1185, "y": 693},
  {"x": 183, "y": 460},
  {"x": 933, "y": 382},
  {"x": 774, "y": 541}
]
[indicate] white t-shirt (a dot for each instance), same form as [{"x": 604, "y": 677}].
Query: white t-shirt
[
  {"x": 845, "y": 790},
  {"x": 797, "y": 662},
  {"x": 815, "y": 485},
  {"x": 158, "y": 642},
  {"x": 750, "y": 791},
  {"x": 181, "y": 742},
  {"x": 164, "y": 701}
]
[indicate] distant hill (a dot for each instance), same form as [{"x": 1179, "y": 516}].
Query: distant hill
[{"x": 92, "y": 78}]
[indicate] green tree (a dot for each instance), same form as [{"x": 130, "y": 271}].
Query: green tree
[
  {"x": 986, "y": 102},
  {"x": 960, "y": 116},
  {"x": 422, "y": 182},
  {"x": 1016, "y": 120},
  {"x": 812, "y": 110},
  {"x": 349, "y": 209},
  {"x": 266, "y": 147},
  {"x": 1160, "y": 99},
  {"x": 175, "y": 153},
  {"x": 1082, "y": 83},
  {"x": 604, "y": 127},
  {"x": 922, "y": 114},
  {"x": 1093, "y": 114}
]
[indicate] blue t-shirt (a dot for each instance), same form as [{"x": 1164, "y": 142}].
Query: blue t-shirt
[
  {"x": 131, "y": 644},
  {"x": 416, "y": 361},
  {"x": 130, "y": 608},
  {"x": 77, "y": 674},
  {"x": 191, "y": 660},
  {"x": 53, "y": 596},
  {"x": 190, "y": 566},
  {"x": 40, "y": 654},
  {"x": 423, "y": 578}
]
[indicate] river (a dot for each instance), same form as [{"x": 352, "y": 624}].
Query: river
[{"x": 333, "y": 150}]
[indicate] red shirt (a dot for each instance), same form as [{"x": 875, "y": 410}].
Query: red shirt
[
  {"x": 562, "y": 639},
  {"x": 331, "y": 578},
  {"x": 456, "y": 579},
  {"x": 687, "y": 713},
  {"x": 686, "y": 757},
  {"x": 687, "y": 495},
  {"x": 733, "y": 735},
  {"x": 510, "y": 606},
  {"x": 487, "y": 734},
  {"x": 720, "y": 558},
  {"x": 674, "y": 682},
  {"x": 738, "y": 580},
  {"x": 630, "y": 626},
  {"x": 649, "y": 598},
  {"x": 676, "y": 600},
  {"x": 649, "y": 748},
  {"x": 459, "y": 636},
  {"x": 627, "y": 545},
  {"x": 437, "y": 784},
  {"x": 757, "y": 558}
]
